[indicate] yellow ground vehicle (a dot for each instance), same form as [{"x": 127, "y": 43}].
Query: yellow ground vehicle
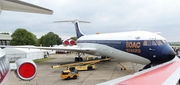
[
  {"x": 70, "y": 73},
  {"x": 85, "y": 67}
]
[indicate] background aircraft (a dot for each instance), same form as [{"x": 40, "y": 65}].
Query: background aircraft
[{"x": 26, "y": 69}]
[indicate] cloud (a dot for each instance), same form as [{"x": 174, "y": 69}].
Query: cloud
[{"x": 105, "y": 16}]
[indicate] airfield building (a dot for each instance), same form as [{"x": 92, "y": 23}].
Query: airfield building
[{"x": 5, "y": 39}]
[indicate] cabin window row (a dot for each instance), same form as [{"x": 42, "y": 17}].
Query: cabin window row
[
  {"x": 154, "y": 42},
  {"x": 96, "y": 41}
]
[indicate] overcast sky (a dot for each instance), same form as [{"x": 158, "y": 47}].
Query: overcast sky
[{"x": 105, "y": 16}]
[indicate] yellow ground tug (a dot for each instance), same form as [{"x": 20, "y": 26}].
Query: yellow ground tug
[{"x": 70, "y": 73}]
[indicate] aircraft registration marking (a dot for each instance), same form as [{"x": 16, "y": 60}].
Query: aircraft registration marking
[{"x": 155, "y": 77}]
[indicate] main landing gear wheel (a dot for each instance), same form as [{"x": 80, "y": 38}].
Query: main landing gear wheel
[
  {"x": 77, "y": 59},
  {"x": 103, "y": 57}
]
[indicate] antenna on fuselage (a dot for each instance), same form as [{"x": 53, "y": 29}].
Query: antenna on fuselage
[{"x": 76, "y": 23}]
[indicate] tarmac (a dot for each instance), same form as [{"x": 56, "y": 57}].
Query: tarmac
[{"x": 105, "y": 71}]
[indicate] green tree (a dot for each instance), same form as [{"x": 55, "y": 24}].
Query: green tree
[
  {"x": 23, "y": 37},
  {"x": 50, "y": 39},
  {"x": 74, "y": 38}
]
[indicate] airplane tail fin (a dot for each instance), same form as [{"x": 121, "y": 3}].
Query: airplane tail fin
[{"x": 76, "y": 23}]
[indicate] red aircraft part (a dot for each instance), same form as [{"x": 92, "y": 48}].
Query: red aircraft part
[
  {"x": 71, "y": 42},
  {"x": 26, "y": 69},
  {"x": 65, "y": 42}
]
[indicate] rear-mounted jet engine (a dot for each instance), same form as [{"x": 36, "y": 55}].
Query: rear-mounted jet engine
[{"x": 68, "y": 42}]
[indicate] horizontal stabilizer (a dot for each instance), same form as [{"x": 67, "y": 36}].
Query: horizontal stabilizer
[
  {"x": 16, "y": 5},
  {"x": 73, "y": 21}
]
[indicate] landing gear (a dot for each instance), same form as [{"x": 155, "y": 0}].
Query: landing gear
[
  {"x": 104, "y": 57},
  {"x": 146, "y": 67},
  {"x": 79, "y": 58}
]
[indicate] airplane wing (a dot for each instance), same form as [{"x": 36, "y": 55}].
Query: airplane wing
[
  {"x": 16, "y": 5},
  {"x": 164, "y": 74},
  {"x": 68, "y": 48}
]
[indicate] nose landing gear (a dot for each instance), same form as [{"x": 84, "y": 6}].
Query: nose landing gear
[{"x": 146, "y": 67}]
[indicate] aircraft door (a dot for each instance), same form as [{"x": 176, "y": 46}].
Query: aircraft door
[{"x": 151, "y": 49}]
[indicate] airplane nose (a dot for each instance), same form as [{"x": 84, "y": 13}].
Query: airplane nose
[
  {"x": 171, "y": 55},
  {"x": 167, "y": 54}
]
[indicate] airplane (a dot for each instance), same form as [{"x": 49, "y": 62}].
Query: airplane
[
  {"x": 141, "y": 47},
  {"x": 136, "y": 46},
  {"x": 26, "y": 69}
]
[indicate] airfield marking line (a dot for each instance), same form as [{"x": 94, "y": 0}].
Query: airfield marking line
[{"x": 113, "y": 72}]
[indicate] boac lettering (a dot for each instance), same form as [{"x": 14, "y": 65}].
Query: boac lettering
[{"x": 133, "y": 47}]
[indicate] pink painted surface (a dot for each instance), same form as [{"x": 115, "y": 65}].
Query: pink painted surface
[{"x": 153, "y": 77}]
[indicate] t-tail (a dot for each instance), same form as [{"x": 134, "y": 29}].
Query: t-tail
[{"x": 77, "y": 28}]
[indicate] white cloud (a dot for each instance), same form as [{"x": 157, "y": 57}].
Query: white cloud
[{"x": 104, "y": 15}]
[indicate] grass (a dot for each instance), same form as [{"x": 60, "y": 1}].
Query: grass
[
  {"x": 42, "y": 60},
  {"x": 11, "y": 61}
]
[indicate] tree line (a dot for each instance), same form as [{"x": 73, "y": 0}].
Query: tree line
[{"x": 23, "y": 37}]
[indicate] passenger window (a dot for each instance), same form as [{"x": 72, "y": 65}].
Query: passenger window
[{"x": 154, "y": 43}]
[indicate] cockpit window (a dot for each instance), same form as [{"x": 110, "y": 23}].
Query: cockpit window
[
  {"x": 164, "y": 41},
  {"x": 154, "y": 43},
  {"x": 147, "y": 43},
  {"x": 159, "y": 42}
]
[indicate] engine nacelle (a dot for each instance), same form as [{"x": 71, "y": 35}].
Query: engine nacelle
[
  {"x": 71, "y": 42},
  {"x": 26, "y": 69},
  {"x": 65, "y": 42}
]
